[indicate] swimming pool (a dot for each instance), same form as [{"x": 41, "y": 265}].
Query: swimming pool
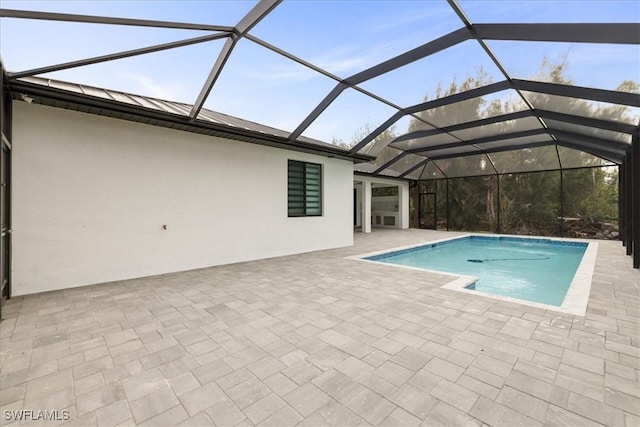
[{"x": 548, "y": 272}]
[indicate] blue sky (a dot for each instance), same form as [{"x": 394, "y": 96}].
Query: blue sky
[{"x": 344, "y": 37}]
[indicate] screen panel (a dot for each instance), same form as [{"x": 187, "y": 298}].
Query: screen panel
[
  {"x": 585, "y": 108},
  {"x": 589, "y": 131},
  {"x": 465, "y": 166},
  {"x": 455, "y": 69},
  {"x": 603, "y": 66},
  {"x": 348, "y": 119},
  {"x": 147, "y": 75},
  {"x": 425, "y": 142},
  {"x": 406, "y": 163},
  {"x": 526, "y": 159},
  {"x": 431, "y": 171},
  {"x": 509, "y": 126},
  {"x": 262, "y": 86},
  {"x": 452, "y": 151},
  {"x": 515, "y": 142},
  {"x": 570, "y": 158},
  {"x": 227, "y": 13},
  {"x": 530, "y": 203},
  {"x": 381, "y": 141},
  {"x": 506, "y": 101},
  {"x": 560, "y": 11},
  {"x": 590, "y": 195},
  {"x": 347, "y": 37}
]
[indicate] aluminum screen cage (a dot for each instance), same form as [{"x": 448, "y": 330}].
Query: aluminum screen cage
[{"x": 412, "y": 90}]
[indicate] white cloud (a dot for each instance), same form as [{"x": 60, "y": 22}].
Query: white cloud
[
  {"x": 277, "y": 72},
  {"x": 430, "y": 15},
  {"x": 347, "y": 59},
  {"x": 147, "y": 86}
]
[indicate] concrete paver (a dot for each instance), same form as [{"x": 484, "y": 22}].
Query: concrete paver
[{"x": 321, "y": 339}]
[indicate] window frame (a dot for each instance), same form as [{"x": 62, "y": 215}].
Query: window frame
[{"x": 304, "y": 189}]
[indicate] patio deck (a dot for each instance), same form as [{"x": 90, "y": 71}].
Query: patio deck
[{"x": 317, "y": 339}]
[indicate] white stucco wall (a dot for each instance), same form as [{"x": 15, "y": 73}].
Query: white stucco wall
[
  {"x": 403, "y": 198},
  {"x": 91, "y": 194}
]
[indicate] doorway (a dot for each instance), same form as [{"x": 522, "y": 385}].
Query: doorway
[{"x": 427, "y": 211}]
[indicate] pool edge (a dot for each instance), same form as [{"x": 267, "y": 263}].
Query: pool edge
[{"x": 575, "y": 301}]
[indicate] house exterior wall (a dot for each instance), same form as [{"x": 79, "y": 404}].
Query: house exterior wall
[{"x": 91, "y": 195}]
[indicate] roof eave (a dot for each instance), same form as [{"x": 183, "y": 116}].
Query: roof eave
[{"x": 60, "y": 98}]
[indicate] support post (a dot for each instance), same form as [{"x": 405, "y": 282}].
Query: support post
[
  {"x": 635, "y": 198},
  {"x": 628, "y": 230},
  {"x": 366, "y": 206},
  {"x": 6, "y": 109},
  {"x": 448, "y": 216},
  {"x": 561, "y": 203},
  {"x": 621, "y": 204},
  {"x": 498, "y": 228},
  {"x": 403, "y": 205}
]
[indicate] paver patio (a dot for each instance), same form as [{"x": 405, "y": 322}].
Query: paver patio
[{"x": 318, "y": 339}]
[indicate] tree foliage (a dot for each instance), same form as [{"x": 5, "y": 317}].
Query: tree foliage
[
  {"x": 518, "y": 191},
  {"x": 518, "y": 200}
]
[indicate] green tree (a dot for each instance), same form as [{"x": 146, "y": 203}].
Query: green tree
[{"x": 529, "y": 202}]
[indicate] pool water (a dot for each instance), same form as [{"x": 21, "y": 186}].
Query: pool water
[{"x": 538, "y": 270}]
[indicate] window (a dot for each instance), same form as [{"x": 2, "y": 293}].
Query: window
[{"x": 305, "y": 189}]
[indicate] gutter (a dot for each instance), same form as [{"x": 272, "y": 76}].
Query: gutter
[{"x": 54, "y": 97}]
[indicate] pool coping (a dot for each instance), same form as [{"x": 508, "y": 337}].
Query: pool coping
[{"x": 575, "y": 301}]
